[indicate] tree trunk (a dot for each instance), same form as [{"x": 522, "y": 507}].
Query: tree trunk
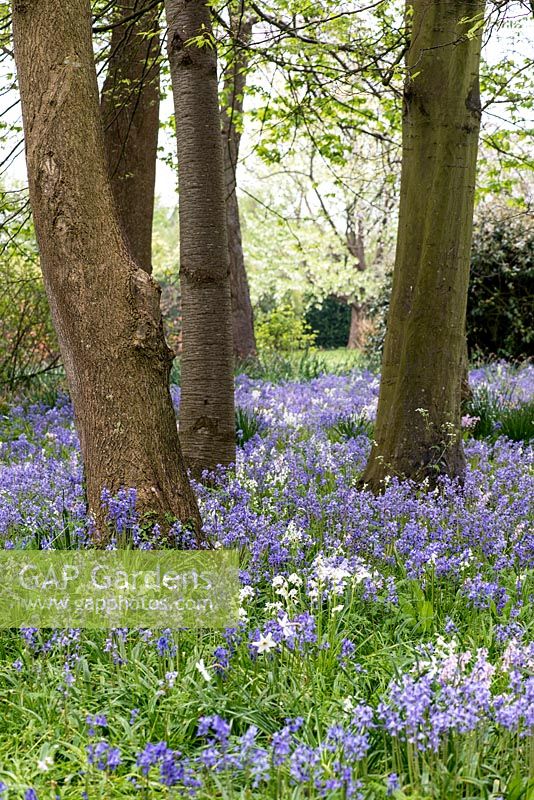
[
  {"x": 105, "y": 309},
  {"x": 231, "y": 120},
  {"x": 417, "y": 432},
  {"x": 207, "y": 422},
  {"x": 359, "y": 327},
  {"x": 130, "y": 113}
]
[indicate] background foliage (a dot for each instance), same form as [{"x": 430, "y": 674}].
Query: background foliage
[
  {"x": 331, "y": 321},
  {"x": 28, "y": 346},
  {"x": 500, "y": 311}
]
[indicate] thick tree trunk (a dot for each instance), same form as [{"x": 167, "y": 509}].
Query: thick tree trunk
[
  {"x": 207, "y": 423},
  {"x": 417, "y": 431},
  {"x": 105, "y": 309},
  {"x": 231, "y": 121},
  {"x": 130, "y": 113}
]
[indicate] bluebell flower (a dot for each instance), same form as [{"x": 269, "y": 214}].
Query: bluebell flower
[{"x": 103, "y": 756}]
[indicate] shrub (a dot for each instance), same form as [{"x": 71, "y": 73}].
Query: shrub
[
  {"x": 331, "y": 321},
  {"x": 28, "y": 346},
  {"x": 500, "y": 311},
  {"x": 283, "y": 330}
]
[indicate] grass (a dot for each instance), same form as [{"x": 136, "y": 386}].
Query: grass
[{"x": 343, "y": 360}]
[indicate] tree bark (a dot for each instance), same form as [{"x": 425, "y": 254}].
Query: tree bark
[
  {"x": 231, "y": 121},
  {"x": 105, "y": 308},
  {"x": 207, "y": 422},
  {"x": 417, "y": 432},
  {"x": 130, "y": 113},
  {"x": 359, "y": 325}
]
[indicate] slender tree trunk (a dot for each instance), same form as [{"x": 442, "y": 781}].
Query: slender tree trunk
[
  {"x": 359, "y": 325},
  {"x": 207, "y": 422},
  {"x": 231, "y": 121},
  {"x": 418, "y": 422},
  {"x": 130, "y": 113},
  {"x": 105, "y": 309}
]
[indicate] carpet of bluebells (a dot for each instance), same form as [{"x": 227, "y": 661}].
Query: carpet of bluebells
[{"x": 385, "y": 646}]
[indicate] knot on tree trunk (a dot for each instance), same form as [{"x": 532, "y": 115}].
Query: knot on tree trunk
[
  {"x": 472, "y": 101},
  {"x": 203, "y": 276},
  {"x": 187, "y": 54},
  {"x": 148, "y": 323},
  {"x": 207, "y": 425}
]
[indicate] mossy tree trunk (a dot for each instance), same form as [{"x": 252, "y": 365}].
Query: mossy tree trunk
[
  {"x": 207, "y": 422},
  {"x": 105, "y": 308},
  {"x": 130, "y": 113},
  {"x": 231, "y": 122},
  {"x": 417, "y": 432}
]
